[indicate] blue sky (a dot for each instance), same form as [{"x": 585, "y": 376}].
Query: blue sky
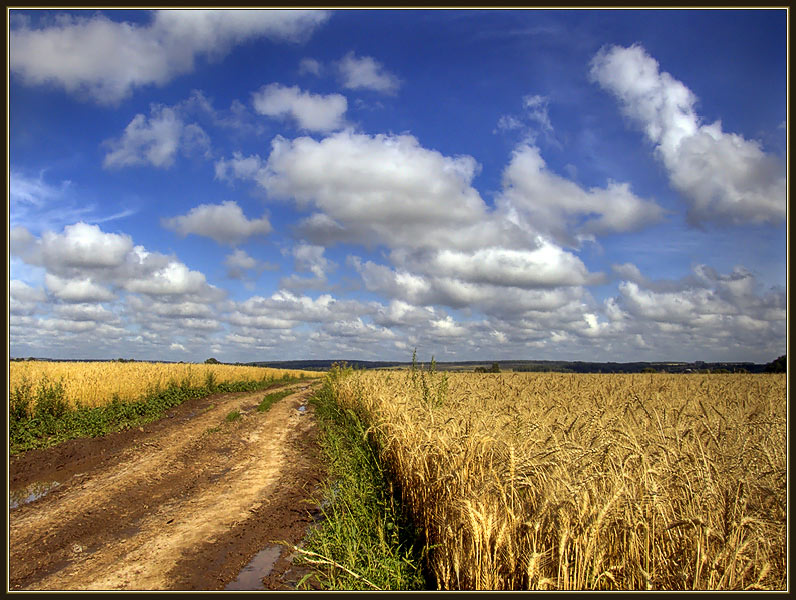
[{"x": 492, "y": 184}]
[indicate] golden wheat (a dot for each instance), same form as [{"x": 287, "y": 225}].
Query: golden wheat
[
  {"x": 97, "y": 383},
  {"x": 539, "y": 481}
]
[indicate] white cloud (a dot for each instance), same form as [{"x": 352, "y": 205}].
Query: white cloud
[
  {"x": 310, "y": 65},
  {"x": 174, "y": 279},
  {"x": 311, "y": 258},
  {"x": 225, "y": 223},
  {"x": 155, "y": 140},
  {"x": 366, "y": 73},
  {"x": 402, "y": 314},
  {"x": 718, "y": 313},
  {"x": 447, "y": 328},
  {"x": 107, "y": 60},
  {"x": 545, "y": 266},
  {"x": 239, "y": 261},
  {"x": 438, "y": 288},
  {"x": 36, "y": 204},
  {"x": 238, "y": 167},
  {"x": 378, "y": 189},
  {"x": 85, "y": 312},
  {"x": 77, "y": 290},
  {"x": 313, "y": 112},
  {"x": 509, "y": 123},
  {"x": 724, "y": 177},
  {"x": 544, "y": 201},
  {"x": 534, "y": 122},
  {"x": 84, "y": 246},
  {"x": 24, "y": 299},
  {"x": 536, "y": 106}
]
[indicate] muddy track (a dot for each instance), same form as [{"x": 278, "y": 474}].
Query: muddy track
[{"x": 183, "y": 503}]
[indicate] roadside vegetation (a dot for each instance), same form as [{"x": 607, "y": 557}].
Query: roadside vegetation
[
  {"x": 269, "y": 399},
  {"x": 63, "y": 401},
  {"x": 365, "y": 541},
  {"x": 557, "y": 481}
]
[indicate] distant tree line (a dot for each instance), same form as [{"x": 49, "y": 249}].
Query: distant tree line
[{"x": 779, "y": 365}]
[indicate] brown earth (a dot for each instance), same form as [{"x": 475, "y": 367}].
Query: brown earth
[{"x": 183, "y": 503}]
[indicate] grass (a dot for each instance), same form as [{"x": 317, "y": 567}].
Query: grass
[
  {"x": 270, "y": 399},
  {"x": 233, "y": 415},
  {"x": 365, "y": 541},
  {"x": 42, "y": 416}
]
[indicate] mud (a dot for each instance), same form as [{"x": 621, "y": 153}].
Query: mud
[{"x": 184, "y": 503}]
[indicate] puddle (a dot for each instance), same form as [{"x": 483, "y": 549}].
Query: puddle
[
  {"x": 251, "y": 577},
  {"x": 33, "y": 492},
  {"x": 302, "y": 408}
]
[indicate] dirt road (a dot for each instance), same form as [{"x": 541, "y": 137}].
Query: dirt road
[{"x": 184, "y": 503}]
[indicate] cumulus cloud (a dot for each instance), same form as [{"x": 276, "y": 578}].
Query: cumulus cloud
[
  {"x": 239, "y": 262},
  {"x": 366, "y": 73},
  {"x": 439, "y": 288},
  {"x": 173, "y": 279},
  {"x": 545, "y": 201},
  {"x": 24, "y": 299},
  {"x": 155, "y": 140},
  {"x": 225, "y": 223},
  {"x": 84, "y": 263},
  {"x": 77, "y": 290},
  {"x": 84, "y": 246},
  {"x": 238, "y": 167},
  {"x": 311, "y": 258},
  {"x": 85, "y": 312},
  {"x": 377, "y": 189},
  {"x": 720, "y": 313},
  {"x": 285, "y": 310},
  {"x": 105, "y": 60},
  {"x": 724, "y": 177},
  {"x": 446, "y": 246},
  {"x": 545, "y": 266},
  {"x": 313, "y": 112}
]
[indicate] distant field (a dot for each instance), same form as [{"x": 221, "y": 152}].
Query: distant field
[
  {"x": 575, "y": 481},
  {"x": 97, "y": 383}
]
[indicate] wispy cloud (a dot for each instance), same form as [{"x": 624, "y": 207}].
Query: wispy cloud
[{"x": 37, "y": 204}]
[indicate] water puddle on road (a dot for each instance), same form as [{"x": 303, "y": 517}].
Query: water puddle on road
[
  {"x": 251, "y": 576},
  {"x": 33, "y": 492}
]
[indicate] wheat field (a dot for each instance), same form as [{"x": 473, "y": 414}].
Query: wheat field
[
  {"x": 578, "y": 481},
  {"x": 97, "y": 383}
]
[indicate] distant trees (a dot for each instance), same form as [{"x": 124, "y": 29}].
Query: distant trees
[
  {"x": 495, "y": 368},
  {"x": 212, "y": 361},
  {"x": 779, "y": 365}
]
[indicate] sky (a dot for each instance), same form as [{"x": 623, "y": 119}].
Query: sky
[{"x": 255, "y": 185}]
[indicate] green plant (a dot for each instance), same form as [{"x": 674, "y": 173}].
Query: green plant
[
  {"x": 270, "y": 399},
  {"x": 365, "y": 540}
]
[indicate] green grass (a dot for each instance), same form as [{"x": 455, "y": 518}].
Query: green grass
[
  {"x": 42, "y": 416},
  {"x": 270, "y": 399},
  {"x": 365, "y": 541},
  {"x": 233, "y": 415}
]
